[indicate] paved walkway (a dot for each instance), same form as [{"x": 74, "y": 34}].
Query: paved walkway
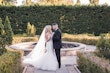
[
  {"x": 69, "y": 64},
  {"x": 90, "y": 48}
]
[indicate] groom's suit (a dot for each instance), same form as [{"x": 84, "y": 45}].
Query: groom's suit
[{"x": 57, "y": 44}]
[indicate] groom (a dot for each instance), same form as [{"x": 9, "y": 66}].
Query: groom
[{"x": 57, "y": 41}]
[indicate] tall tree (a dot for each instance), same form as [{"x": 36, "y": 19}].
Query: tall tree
[
  {"x": 1, "y": 1},
  {"x": 1, "y": 27},
  {"x": 28, "y": 28},
  {"x": 78, "y": 2},
  {"x": 2, "y": 38},
  {"x": 28, "y": 2},
  {"x": 31, "y": 30},
  {"x": 8, "y": 31},
  {"x": 57, "y": 2},
  {"x": 94, "y": 2},
  {"x": 9, "y": 2}
]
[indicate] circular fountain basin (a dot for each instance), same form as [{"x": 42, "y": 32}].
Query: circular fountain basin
[{"x": 68, "y": 48}]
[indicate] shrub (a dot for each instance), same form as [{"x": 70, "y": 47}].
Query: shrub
[
  {"x": 10, "y": 62},
  {"x": 103, "y": 47},
  {"x": 87, "y": 66}
]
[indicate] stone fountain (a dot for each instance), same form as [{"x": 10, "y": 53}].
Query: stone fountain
[{"x": 68, "y": 48}]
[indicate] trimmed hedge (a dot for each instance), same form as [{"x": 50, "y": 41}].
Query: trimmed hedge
[
  {"x": 71, "y": 19},
  {"x": 24, "y": 39},
  {"x": 10, "y": 62},
  {"x": 87, "y": 66},
  {"x": 88, "y": 39}
]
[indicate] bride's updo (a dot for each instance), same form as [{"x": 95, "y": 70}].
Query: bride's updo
[{"x": 48, "y": 28}]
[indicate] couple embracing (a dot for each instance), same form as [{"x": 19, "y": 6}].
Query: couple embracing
[{"x": 46, "y": 54}]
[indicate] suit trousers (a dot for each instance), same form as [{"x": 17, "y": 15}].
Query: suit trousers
[{"x": 57, "y": 51}]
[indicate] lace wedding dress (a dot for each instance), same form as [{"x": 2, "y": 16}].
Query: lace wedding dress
[{"x": 41, "y": 59}]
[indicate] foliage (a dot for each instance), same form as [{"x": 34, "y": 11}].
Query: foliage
[
  {"x": 56, "y": 2},
  {"x": 103, "y": 46},
  {"x": 8, "y": 31},
  {"x": 31, "y": 30},
  {"x": 2, "y": 46},
  {"x": 8, "y": 2},
  {"x": 1, "y": 27},
  {"x": 28, "y": 2},
  {"x": 20, "y": 39},
  {"x": 28, "y": 28},
  {"x": 2, "y": 38},
  {"x": 89, "y": 39},
  {"x": 10, "y": 62},
  {"x": 71, "y": 19},
  {"x": 94, "y": 2},
  {"x": 87, "y": 66},
  {"x": 5, "y": 35},
  {"x": 78, "y": 2}
]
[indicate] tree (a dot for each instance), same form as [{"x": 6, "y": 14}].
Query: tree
[
  {"x": 31, "y": 30},
  {"x": 78, "y": 2},
  {"x": 58, "y": 2},
  {"x": 28, "y": 2},
  {"x": 1, "y": 27},
  {"x": 2, "y": 38},
  {"x": 28, "y": 28},
  {"x": 1, "y": 1},
  {"x": 8, "y": 31},
  {"x": 9, "y": 2},
  {"x": 94, "y": 2}
]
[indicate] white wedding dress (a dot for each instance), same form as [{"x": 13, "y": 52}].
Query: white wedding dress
[{"x": 41, "y": 59}]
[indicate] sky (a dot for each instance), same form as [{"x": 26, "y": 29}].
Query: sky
[{"x": 83, "y": 2}]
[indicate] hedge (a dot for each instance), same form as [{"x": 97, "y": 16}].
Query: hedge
[
  {"x": 10, "y": 62},
  {"x": 87, "y": 66},
  {"x": 71, "y": 19},
  {"x": 88, "y": 39}
]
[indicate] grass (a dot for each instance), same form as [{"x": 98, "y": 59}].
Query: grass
[
  {"x": 19, "y": 39},
  {"x": 89, "y": 39},
  {"x": 82, "y": 38}
]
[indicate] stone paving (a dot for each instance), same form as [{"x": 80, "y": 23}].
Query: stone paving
[{"x": 69, "y": 64}]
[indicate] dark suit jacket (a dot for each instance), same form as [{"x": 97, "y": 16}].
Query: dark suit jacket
[{"x": 57, "y": 41}]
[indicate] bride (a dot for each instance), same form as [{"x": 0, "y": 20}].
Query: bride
[{"x": 42, "y": 56}]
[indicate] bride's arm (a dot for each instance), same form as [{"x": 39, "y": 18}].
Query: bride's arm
[{"x": 48, "y": 37}]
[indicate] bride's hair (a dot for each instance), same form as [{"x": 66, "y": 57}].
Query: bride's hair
[{"x": 46, "y": 28}]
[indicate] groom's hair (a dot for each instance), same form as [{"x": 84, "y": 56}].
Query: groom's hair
[{"x": 54, "y": 24}]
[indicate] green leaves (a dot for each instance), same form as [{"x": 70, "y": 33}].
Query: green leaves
[
  {"x": 10, "y": 62},
  {"x": 87, "y": 66},
  {"x": 71, "y": 19},
  {"x": 31, "y": 30},
  {"x": 8, "y": 31},
  {"x": 103, "y": 47}
]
